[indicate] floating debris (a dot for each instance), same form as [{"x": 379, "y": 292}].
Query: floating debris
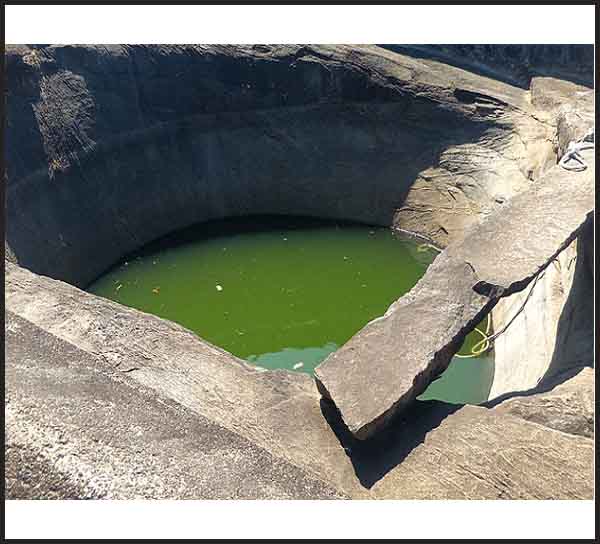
[
  {"x": 298, "y": 365},
  {"x": 119, "y": 286},
  {"x": 156, "y": 290},
  {"x": 219, "y": 288}
]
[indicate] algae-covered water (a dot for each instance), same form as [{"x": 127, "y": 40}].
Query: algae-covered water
[{"x": 283, "y": 292}]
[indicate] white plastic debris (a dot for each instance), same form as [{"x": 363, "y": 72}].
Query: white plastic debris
[{"x": 572, "y": 160}]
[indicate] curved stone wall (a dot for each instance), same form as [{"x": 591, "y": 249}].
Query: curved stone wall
[{"x": 110, "y": 147}]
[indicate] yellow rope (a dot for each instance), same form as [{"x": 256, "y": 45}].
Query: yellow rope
[
  {"x": 487, "y": 340},
  {"x": 485, "y": 343}
]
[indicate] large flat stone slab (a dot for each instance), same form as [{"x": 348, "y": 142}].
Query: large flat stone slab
[
  {"x": 383, "y": 368},
  {"x": 76, "y": 428},
  {"x": 477, "y": 453},
  {"x": 392, "y": 360},
  {"x": 514, "y": 244}
]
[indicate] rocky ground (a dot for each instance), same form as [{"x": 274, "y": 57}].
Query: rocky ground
[{"x": 111, "y": 146}]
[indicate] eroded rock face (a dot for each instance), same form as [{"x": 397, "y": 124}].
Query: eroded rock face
[
  {"x": 77, "y": 429},
  {"x": 516, "y": 63},
  {"x": 554, "y": 331},
  {"x": 566, "y": 406},
  {"x": 392, "y": 360},
  {"x": 109, "y": 147}
]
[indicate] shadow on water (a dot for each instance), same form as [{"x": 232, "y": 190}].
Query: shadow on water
[
  {"x": 373, "y": 458},
  {"x": 246, "y": 224}
]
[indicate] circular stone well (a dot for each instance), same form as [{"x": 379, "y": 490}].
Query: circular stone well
[{"x": 112, "y": 147}]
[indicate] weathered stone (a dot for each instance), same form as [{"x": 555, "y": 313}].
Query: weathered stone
[
  {"x": 548, "y": 93},
  {"x": 515, "y": 63},
  {"x": 510, "y": 247},
  {"x": 574, "y": 119},
  {"x": 277, "y": 410},
  {"x": 392, "y": 360},
  {"x": 550, "y": 324},
  {"x": 554, "y": 330},
  {"x": 252, "y": 129},
  {"x": 76, "y": 428},
  {"x": 567, "y": 406},
  {"x": 476, "y": 453},
  {"x": 86, "y": 370},
  {"x": 240, "y": 123}
]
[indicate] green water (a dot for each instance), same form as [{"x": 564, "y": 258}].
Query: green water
[{"x": 282, "y": 292}]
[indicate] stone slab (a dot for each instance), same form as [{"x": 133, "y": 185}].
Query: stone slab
[
  {"x": 476, "y": 453},
  {"x": 516, "y": 243},
  {"x": 567, "y": 406},
  {"x": 386, "y": 365},
  {"x": 77, "y": 429}
]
